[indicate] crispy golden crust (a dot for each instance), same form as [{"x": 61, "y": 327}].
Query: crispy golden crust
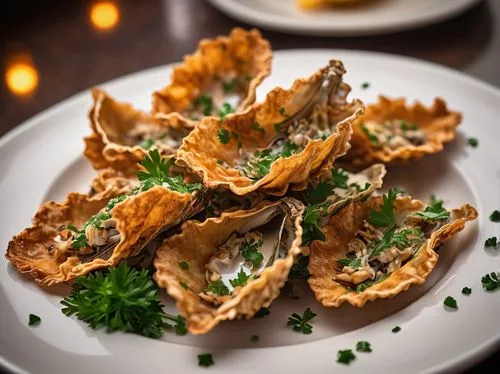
[
  {"x": 112, "y": 122},
  {"x": 202, "y": 149},
  {"x": 139, "y": 219},
  {"x": 437, "y": 122},
  {"x": 110, "y": 183},
  {"x": 341, "y": 230},
  {"x": 242, "y": 52},
  {"x": 196, "y": 243}
]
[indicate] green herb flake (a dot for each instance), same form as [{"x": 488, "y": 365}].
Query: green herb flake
[
  {"x": 256, "y": 127},
  {"x": 385, "y": 216},
  {"x": 205, "y": 360},
  {"x": 184, "y": 285},
  {"x": 218, "y": 287},
  {"x": 396, "y": 329},
  {"x": 224, "y": 136},
  {"x": 363, "y": 346},
  {"x": 352, "y": 263},
  {"x": 300, "y": 323},
  {"x": 311, "y": 224},
  {"x": 450, "y": 302},
  {"x": 405, "y": 126},
  {"x": 254, "y": 338},
  {"x": 262, "y": 312},
  {"x": 339, "y": 178},
  {"x": 184, "y": 265},
  {"x": 241, "y": 279},
  {"x": 490, "y": 282},
  {"x": 205, "y": 103},
  {"x": 225, "y": 110},
  {"x": 146, "y": 143},
  {"x": 435, "y": 211},
  {"x": 365, "y": 85},
  {"x": 491, "y": 242},
  {"x": 283, "y": 112},
  {"x": 495, "y": 216},
  {"x": 345, "y": 356},
  {"x": 277, "y": 127},
  {"x": 34, "y": 320},
  {"x": 119, "y": 298},
  {"x": 230, "y": 85},
  {"x": 370, "y": 135},
  {"x": 299, "y": 269},
  {"x": 466, "y": 291},
  {"x": 250, "y": 252},
  {"x": 472, "y": 142}
]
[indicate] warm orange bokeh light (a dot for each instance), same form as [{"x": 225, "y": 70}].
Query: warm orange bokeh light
[
  {"x": 104, "y": 15},
  {"x": 21, "y": 78}
]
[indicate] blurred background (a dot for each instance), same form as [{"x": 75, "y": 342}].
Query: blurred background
[{"x": 51, "y": 50}]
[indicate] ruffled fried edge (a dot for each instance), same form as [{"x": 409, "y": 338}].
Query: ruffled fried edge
[
  {"x": 201, "y": 149},
  {"x": 340, "y": 230},
  {"x": 195, "y": 244},
  {"x": 438, "y": 122},
  {"x": 109, "y": 183},
  {"x": 108, "y": 113},
  {"x": 139, "y": 219},
  {"x": 241, "y": 50}
]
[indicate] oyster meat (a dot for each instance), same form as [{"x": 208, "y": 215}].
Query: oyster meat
[
  {"x": 218, "y": 79},
  {"x": 87, "y": 233},
  {"x": 234, "y": 265},
  {"x": 378, "y": 248},
  {"x": 292, "y": 137},
  {"x": 393, "y": 131}
]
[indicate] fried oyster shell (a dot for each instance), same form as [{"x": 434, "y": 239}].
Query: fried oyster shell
[
  {"x": 202, "y": 150},
  {"x": 437, "y": 122},
  {"x": 196, "y": 244},
  {"x": 342, "y": 228},
  {"x": 243, "y": 53},
  {"x": 109, "y": 183},
  {"x": 116, "y": 128},
  {"x": 138, "y": 220}
]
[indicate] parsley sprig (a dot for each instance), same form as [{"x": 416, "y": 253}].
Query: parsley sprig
[
  {"x": 157, "y": 174},
  {"x": 121, "y": 298},
  {"x": 311, "y": 223},
  {"x": 385, "y": 216},
  {"x": 435, "y": 211},
  {"x": 241, "y": 279},
  {"x": 491, "y": 281},
  {"x": 300, "y": 323},
  {"x": 250, "y": 252},
  {"x": 218, "y": 287}
]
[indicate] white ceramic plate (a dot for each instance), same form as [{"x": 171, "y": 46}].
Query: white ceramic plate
[
  {"x": 42, "y": 159},
  {"x": 375, "y": 17}
]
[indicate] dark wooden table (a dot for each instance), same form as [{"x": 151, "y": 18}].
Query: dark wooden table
[{"x": 70, "y": 55}]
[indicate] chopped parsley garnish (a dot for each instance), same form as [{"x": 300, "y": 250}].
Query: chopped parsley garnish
[
  {"x": 257, "y": 127},
  {"x": 491, "y": 242},
  {"x": 435, "y": 211},
  {"x": 450, "y": 302},
  {"x": 299, "y": 269},
  {"x": 288, "y": 149},
  {"x": 250, "y": 252},
  {"x": 490, "y": 282},
  {"x": 34, "y": 320},
  {"x": 184, "y": 265},
  {"x": 370, "y": 135},
  {"x": 360, "y": 287},
  {"x": 157, "y": 174},
  {"x": 472, "y": 142},
  {"x": 363, "y": 346},
  {"x": 311, "y": 225},
  {"x": 365, "y": 85},
  {"x": 205, "y": 360},
  {"x": 283, "y": 112},
  {"x": 254, "y": 338},
  {"x": 205, "y": 103},
  {"x": 224, "y": 136},
  {"x": 146, "y": 143},
  {"x": 241, "y": 279},
  {"x": 218, "y": 287},
  {"x": 385, "y": 216},
  {"x": 495, "y": 216},
  {"x": 184, "y": 285},
  {"x": 345, "y": 356},
  {"x": 466, "y": 291},
  {"x": 230, "y": 85},
  {"x": 277, "y": 127},
  {"x": 352, "y": 263},
  {"x": 120, "y": 298},
  {"x": 225, "y": 110},
  {"x": 300, "y": 323},
  {"x": 262, "y": 312},
  {"x": 405, "y": 126},
  {"x": 220, "y": 162},
  {"x": 339, "y": 178},
  {"x": 260, "y": 166},
  {"x": 319, "y": 193},
  {"x": 396, "y": 329},
  {"x": 400, "y": 239}
]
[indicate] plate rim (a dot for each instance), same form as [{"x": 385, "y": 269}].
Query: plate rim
[
  {"x": 285, "y": 25},
  {"x": 467, "y": 359}
]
